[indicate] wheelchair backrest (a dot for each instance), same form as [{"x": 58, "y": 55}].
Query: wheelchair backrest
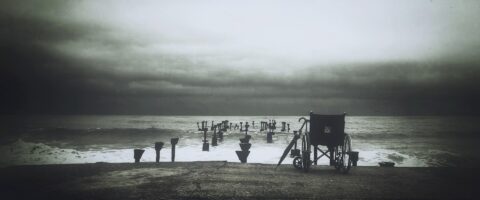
[{"x": 328, "y": 130}]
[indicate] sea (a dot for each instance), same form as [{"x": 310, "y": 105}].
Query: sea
[{"x": 408, "y": 141}]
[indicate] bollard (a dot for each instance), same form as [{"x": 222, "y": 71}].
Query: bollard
[
  {"x": 269, "y": 137},
  {"x": 206, "y": 146},
  {"x": 241, "y": 126},
  {"x": 246, "y": 128},
  {"x": 174, "y": 142},
  {"x": 288, "y": 127},
  {"x": 242, "y": 156},
  {"x": 214, "y": 137},
  {"x": 158, "y": 147},
  {"x": 137, "y": 154},
  {"x": 283, "y": 126}
]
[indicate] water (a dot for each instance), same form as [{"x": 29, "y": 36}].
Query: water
[{"x": 407, "y": 141}]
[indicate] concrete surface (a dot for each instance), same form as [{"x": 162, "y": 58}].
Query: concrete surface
[{"x": 223, "y": 180}]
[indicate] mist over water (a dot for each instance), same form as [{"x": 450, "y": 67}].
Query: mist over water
[{"x": 407, "y": 141}]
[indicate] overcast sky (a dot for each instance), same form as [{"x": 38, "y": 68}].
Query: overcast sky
[{"x": 240, "y": 57}]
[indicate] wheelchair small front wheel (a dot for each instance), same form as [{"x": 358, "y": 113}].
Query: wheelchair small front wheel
[{"x": 297, "y": 162}]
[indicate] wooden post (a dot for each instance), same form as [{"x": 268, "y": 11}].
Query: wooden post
[
  {"x": 173, "y": 142},
  {"x": 205, "y": 142},
  {"x": 269, "y": 137},
  {"x": 137, "y": 154},
  {"x": 158, "y": 147},
  {"x": 214, "y": 137},
  {"x": 245, "y": 146}
]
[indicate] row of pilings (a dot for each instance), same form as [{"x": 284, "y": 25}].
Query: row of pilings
[
  {"x": 218, "y": 133},
  {"x": 138, "y": 153}
]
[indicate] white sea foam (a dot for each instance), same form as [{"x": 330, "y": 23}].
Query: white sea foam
[{"x": 89, "y": 139}]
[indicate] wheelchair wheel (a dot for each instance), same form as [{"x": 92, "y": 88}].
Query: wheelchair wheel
[
  {"x": 344, "y": 163},
  {"x": 297, "y": 162},
  {"x": 337, "y": 156}
]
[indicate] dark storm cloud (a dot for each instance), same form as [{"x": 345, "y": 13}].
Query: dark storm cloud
[{"x": 53, "y": 62}]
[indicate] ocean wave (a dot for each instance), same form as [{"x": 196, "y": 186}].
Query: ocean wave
[
  {"x": 379, "y": 136},
  {"x": 86, "y": 139}
]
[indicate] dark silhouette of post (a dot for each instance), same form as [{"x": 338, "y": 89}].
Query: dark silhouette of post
[
  {"x": 245, "y": 146},
  {"x": 269, "y": 137},
  {"x": 220, "y": 132},
  {"x": 241, "y": 126},
  {"x": 206, "y": 146},
  {"x": 137, "y": 154},
  {"x": 173, "y": 142},
  {"x": 283, "y": 126},
  {"x": 246, "y": 128},
  {"x": 214, "y": 137},
  {"x": 288, "y": 129},
  {"x": 158, "y": 147}
]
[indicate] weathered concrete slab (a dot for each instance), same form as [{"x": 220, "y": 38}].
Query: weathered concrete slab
[{"x": 220, "y": 180}]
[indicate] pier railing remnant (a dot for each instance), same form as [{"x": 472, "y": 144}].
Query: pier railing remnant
[
  {"x": 174, "y": 142},
  {"x": 158, "y": 147}
]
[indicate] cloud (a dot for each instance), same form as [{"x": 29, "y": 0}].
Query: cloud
[{"x": 96, "y": 58}]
